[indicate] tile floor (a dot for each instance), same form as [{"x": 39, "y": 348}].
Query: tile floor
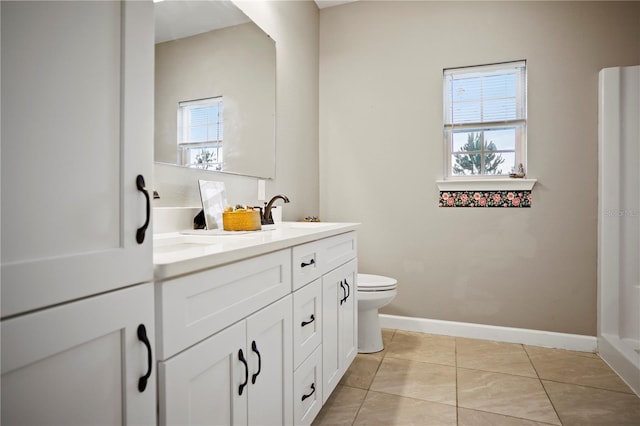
[{"x": 423, "y": 379}]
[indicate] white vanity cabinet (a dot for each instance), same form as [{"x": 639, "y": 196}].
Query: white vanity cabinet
[
  {"x": 81, "y": 362},
  {"x": 241, "y": 375},
  {"x": 340, "y": 325},
  {"x": 330, "y": 345},
  {"x": 247, "y": 340},
  {"x": 225, "y": 344}
]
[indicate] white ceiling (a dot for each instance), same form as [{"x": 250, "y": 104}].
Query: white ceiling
[
  {"x": 180, "y": 18},
  {"x": 176, "y": 19}
]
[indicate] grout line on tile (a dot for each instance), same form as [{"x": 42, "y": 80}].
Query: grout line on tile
[
  {"x": 511, "y": 417},
  {"x": 360, "y": 407},
  {"x": 590, "y": 387},
  {"x": 542, "y": 384}
]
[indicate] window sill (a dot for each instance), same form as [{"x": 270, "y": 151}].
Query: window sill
[{"x": 508, "y": 184}]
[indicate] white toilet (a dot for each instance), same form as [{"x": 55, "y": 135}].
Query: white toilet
[{"x": 374, "y": 292}]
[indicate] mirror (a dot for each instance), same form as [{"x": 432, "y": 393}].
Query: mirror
[{"x": 215, "y": 92}]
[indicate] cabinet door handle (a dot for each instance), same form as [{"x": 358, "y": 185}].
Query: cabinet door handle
[
  {"x": 344, "y": 293},
  {"x": 246, "y": 371},
  {"x": 348, "y": 290},
  {"x": 311, "y": 319},
  {"x": 313, "y": 390},
  {"x": 143, "y": 229},
  {"x": 142, "y": 336},
  {"x": 311, "y": 262},
  {"x": 254, "y": 348}
]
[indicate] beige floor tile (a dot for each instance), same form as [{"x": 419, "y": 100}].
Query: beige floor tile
[
  {"x": 419, "y": 380},
  {"x": 361, "y": 372},
  {"x": 585, "y": 406},
  {"x": 384, "y": 409},
  {"x": 341, "y": 407},
  {"x": 499, "y": 357},
  {"x": 575, "y": 368},
  {"x": 506, "y": 394},
  {"x": 468, "y": 417},
  {"x": 387, "y": 336},
  {"x": 422, "y": 347}
]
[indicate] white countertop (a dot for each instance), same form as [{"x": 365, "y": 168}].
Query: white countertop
[{"x": 178, "y": 253}]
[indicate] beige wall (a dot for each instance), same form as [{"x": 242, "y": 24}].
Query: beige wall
[
  {"x": 294, "y": 27},
  {"x": 381, "y": 152}
]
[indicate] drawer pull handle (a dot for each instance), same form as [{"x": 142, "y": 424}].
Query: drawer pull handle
[
  {"x": 344, "y": 292},
  {"x": 313, "y": 390},
  {"x": 142, "y": 336},
  {"x": 311, "y": 262},
  {"x": 246, "y": 371},
  {"x": 311, "y": 319},
  {"x": 254, "y": 348}
]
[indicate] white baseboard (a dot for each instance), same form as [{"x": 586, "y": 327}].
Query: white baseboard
[{"x": 549, "y": 339}]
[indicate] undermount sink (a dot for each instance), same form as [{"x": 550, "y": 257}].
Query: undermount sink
[
  {"x": 310, "y": 225},
  {"x": 181, "y": 242}
]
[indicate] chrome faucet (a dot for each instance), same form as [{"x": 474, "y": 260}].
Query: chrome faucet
[{"x": 267, "y": 219}]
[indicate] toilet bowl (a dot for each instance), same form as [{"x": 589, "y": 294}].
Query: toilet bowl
[{"x": 374, "y": 292}]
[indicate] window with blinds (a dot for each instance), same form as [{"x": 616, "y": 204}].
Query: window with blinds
[
  {"x": 200, "y": 133},
  {"x": 485, "y": 119}
]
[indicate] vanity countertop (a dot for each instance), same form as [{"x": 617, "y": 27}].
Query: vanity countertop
[{"x": 177, "y": 253}]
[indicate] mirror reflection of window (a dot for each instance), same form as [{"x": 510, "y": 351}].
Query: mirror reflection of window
[{"x": 200, "y": 133}]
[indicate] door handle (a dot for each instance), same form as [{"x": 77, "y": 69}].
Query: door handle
[
  {"x": 246, "y": 371},
  {"x": 143, "y": 229},
  {"x": 142, "y": 336},
  {"x": 254, "y": 348}
]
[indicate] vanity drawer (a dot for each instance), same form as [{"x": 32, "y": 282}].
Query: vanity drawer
[
  {"x": 193, "y": 307},
  {"x": 312, "y": 260},
  {"x": 307, "y": 320},
  {"x": 307, "y": 389}
]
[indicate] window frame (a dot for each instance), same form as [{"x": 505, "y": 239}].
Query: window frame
[
  {"x": 519, "y": 123},
  {"x": 184, "y": 146}
]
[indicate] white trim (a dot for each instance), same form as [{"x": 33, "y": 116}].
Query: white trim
[
  {"x": 486, "y": 184},
  {"x": 549, "y": 339},
  {"x": 622, "y": 359}
]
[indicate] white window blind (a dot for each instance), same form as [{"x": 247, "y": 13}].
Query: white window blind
[{"x": 485, "y": 119}]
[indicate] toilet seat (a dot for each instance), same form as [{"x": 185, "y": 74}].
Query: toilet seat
[{"x": 368, "y": 282}]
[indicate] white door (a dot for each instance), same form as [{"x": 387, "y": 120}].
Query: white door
[
  {"x": 77, "y": 129},
  {"x": 79, "y": 364},
  {"x": 270, "y": 348},
  {"x": 208, "y": 383}
]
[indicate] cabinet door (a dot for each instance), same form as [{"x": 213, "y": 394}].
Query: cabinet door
[
  {"x": 77, "y": 126},
  {"x": 349, "y": 316},
  {"x": 339, "y": 328},
  {"x": 270, "y": 348},
  {"x": 201, "y": 386},
  {"x": 80, "y": 363},
  {"x": 332, "y": 293}
]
